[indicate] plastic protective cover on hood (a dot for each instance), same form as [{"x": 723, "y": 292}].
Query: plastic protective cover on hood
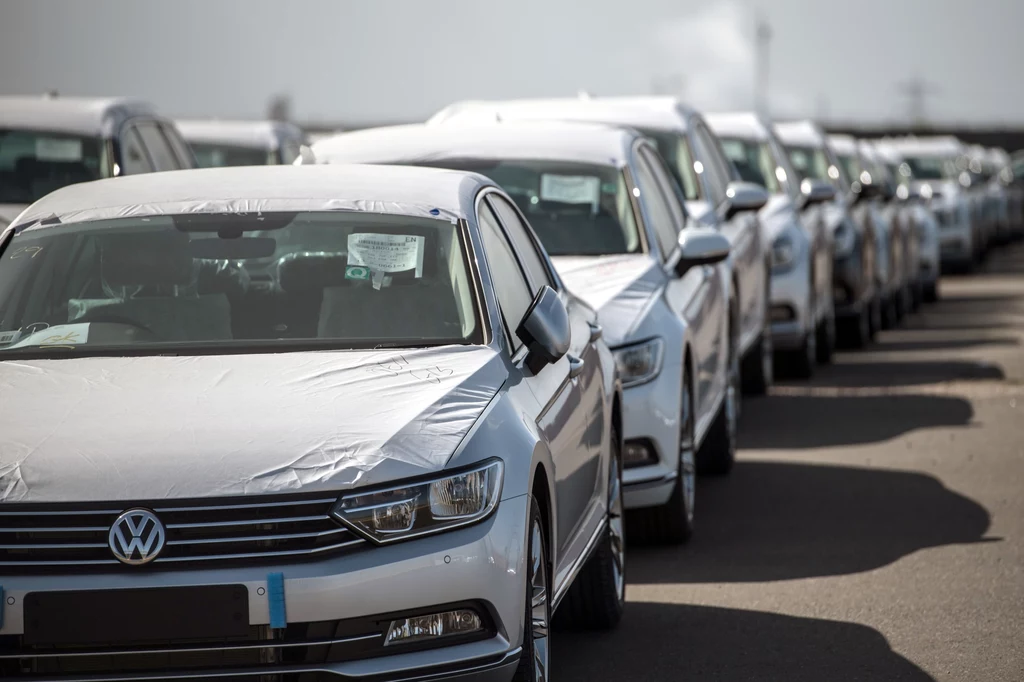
[
  {"x": 141, "y": 428},
  {"x": 619, "y": 288}
]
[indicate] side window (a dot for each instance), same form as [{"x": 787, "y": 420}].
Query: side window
[
  {"x": 181, "y": 150},
  {"x": 657, "y": 211},
  {"x": 510, "y": 287},
  {"x": 716, "y": 173},
  {"x": 668, "y": 186},
  {"x": 524, "y": 243},
  {"x": 157, "y": 146},
  {"x": 133, "y": 153}
]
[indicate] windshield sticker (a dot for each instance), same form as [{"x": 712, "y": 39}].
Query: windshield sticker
[
  {"x": 58, "y": 149},
  {"x": 9, "y": 337},
  {"x": 571, "y": 189},
  {"x": 357, "y": 272},
  {"x": 60, "y": 335},
  {"x": 384, "y": 253}
]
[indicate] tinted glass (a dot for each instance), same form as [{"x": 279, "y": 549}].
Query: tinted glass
[
  {"x": 217, "y": 155},
  {"x": 34, "y": 163},
  {"x": 576, "y": 209},
  {"x": 525, "y": 245},
  {"x": 675, "y": 149},
  {"x": 185, "y": 283},
  {"x": 753, "y": 161},
  {"x": 133, "y": 154},
  {"x": 181, "y": 150},
  {"x": 158, "y": 147},
  {"x": 711, "y": 165},
  {"x": 851, "y": 165},
  {"x": 659, "y": 213},
  {"x": 810, "y": 162},
  {"x": 510, "y": 287},
  {"x": 930, "y": 167}
]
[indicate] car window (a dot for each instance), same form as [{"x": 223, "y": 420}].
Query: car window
[
  {"x": 178, "y": 145},
  {"x": 753, "y": 161},
  {"x": 212, "y": 155},
  {"x": 510, "y": 287},
  {"x": 667, "y": 184},
  {"x": 133, "y": 153},
  {"x": 181, "y": 283},
  {"x": 525, "y": 244},
  {"x": 675, "y": 149},
  {"x": 656, "y": 205},
  {"x": 713, "y": 166},
  {"x": 157, "y": 146},
  {"x": 34, "y": 163}
]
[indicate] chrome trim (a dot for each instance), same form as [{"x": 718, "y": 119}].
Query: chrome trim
[
  {"x": 83, "y": 545},
  {"x": 258, "y": 555},
  {"x": 217, "y": 507},
  {"x": 247, "y": 538},
  {"x": 578, "y": 565},
  {"x": 77, "y": 529},
  {"x": 70, "y": 512},
  {"x": 248, "y": 522}
]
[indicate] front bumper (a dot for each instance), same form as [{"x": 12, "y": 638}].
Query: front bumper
[
  {"x": 481, "y": 565},
  {"x": 651, "y": 412},
  {"x": 790, "y": 310}
]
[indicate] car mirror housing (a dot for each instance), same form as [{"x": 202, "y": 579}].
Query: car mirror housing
[
  {"x": 700, "y": 246},
  {"x": 545, "y": 330},
  {"x": 816, "y": 191},
  {"x": 744, "y": 196}
]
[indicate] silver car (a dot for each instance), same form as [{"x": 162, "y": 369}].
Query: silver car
[
  {"x": 600, "y": 199},
  {"x": 802, "y": 313},
  {"x": 713, "y": 193},
  {"x": 336, "y": 421},
  {"x": 217, "y": 143}
]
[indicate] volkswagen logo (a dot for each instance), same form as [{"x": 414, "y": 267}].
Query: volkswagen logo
[{"x": 136, "y": 537}]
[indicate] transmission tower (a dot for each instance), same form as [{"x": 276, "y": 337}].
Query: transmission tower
[
  {"x": 917, "y": 90},
  {"x": 764, "y": 41}
]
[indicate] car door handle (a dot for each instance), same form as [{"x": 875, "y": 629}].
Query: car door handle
[
  {"x": 595, "y": 331},
  {"x": 575, "y": 366}
]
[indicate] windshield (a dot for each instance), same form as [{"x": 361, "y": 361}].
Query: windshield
[
  {"x": 34, "y": 163},
  {"x": 930, "y": 167},
  {"x": 754, "y": 162},
  {"x": 851, "y": 165},
  {"x": 810, "y": 162},
  {"x": 576, "y": 209},
  {"x": 216, "y": 155},
  {"x": 236, "y": 283},
  {"x": 674, "y": 148}
]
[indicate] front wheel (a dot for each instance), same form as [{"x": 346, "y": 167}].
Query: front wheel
[
  {"x": 534, "y": 662},
  {"x": 598, "y": 595},
  {"x": 758, "y": 371}
]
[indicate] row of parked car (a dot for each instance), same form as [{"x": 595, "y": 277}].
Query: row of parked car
[{"x": 379, "y": 407}]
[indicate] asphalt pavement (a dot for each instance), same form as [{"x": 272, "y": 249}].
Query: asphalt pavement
[{"x": 873, "y": 528}]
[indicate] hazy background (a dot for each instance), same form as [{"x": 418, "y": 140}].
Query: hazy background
[{"x": 389, "y": 60}]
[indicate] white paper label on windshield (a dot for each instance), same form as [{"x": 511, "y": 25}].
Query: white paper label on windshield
[
  {"x": 386, "y": 252},
  {"x": 60, "y": 335},
  {"x": 58, "y": 149},
  {"x": 571, "y": 189},
  {"x": 9, "y": 337}
]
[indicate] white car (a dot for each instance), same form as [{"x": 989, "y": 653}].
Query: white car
[
  {"x": 601, "y": 201},
  {"x": 710, "y": 187},
  {"x": 803, "y": 313}
]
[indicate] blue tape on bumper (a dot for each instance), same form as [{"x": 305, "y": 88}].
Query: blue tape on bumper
[{"x": 275, "y": 600}]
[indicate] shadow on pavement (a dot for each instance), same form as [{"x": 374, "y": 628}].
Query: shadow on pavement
[
  {"x": 780, "y": 521},
  {"x": 851, "y": 373},
  {"x": 805, "y": 421},
  {"x": 669, "y": 642},
  {"x": 947, "y": 344}
]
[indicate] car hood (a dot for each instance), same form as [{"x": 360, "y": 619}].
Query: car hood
[
  {"x": 8, "y": 212},
  {"x": 619, "y": 288},
  {"x": 148, "y": 428}
]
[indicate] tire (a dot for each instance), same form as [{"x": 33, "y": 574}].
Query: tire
[
  {"x": 874, "y": 317},
  {"x": 931, "y": 292},
  {"x": 758, "y": 370},
  {"x": 598, "y": 595},
  {"x": 826, "y": 333},
  {"x": 889, "y": 315},
  {"x": 856, "y": 331},
  {"x": 672, "y": 522},
  {"x": 535, "y": 660},
  {"x": 717, "y": 453},
  {"x": 801, "y": 362}
]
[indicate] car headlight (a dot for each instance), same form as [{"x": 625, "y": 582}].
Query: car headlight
[
  {"x": 845, "y": 240},
  {"x": 783, "y": 253},
  {"x": 639, "y": 363},
  {"x": 423, "y": 507}
]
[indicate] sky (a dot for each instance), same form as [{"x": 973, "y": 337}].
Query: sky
[{"x": 397, "y": 60}]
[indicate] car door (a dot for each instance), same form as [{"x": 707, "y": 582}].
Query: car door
[
  {"x": 698, "y": 295},
  {"x": 518, "y": 274}
]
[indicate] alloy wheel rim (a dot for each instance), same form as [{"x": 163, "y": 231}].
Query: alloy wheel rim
[
  {"x": 616, "y": 530},
  {"x": 687, "y": 456},
  {"x": 538, "y": 604}
]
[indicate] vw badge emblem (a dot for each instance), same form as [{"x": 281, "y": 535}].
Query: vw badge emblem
[{"x": 136, "y": 537}]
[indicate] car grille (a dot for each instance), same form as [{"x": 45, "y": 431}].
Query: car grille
[{"x": 35, "y": 537}]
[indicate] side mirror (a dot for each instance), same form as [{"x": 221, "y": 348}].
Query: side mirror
[
  {"x": 545, "y": 330},
  {"x": 816, "y": 191},
  {"x": 701, "y": 246},
  {"x": 743, "y": 196}
]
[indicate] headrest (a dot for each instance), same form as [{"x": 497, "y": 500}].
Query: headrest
[
  {"x": 304, "y": 272},
  {"x": 150, "y": 258}
]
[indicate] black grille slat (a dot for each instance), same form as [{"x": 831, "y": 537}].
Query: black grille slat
[{"x": 196, "y": 530}]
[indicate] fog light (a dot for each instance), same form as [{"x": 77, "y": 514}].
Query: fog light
[
  {"x": 637, "y": 453},
  {"x": 419, "y": 628}
]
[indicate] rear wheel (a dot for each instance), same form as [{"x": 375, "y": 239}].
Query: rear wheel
[
  {"x": 856, "y": 331},
  {"x": 534, "y": 662},
  {"x": 672, "y": 522},
  {"x": 890, "y": 315},
  {"x": 718, "y": 452},
  {"x": 597, "y": 597},
  {"x": 931, "y": 292}
]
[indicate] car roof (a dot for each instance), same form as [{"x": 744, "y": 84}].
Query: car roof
[
  {"x": 800, "y": 132},
  {"x": 82, "y": 115},
  {"x": 426, "y": 192},
  {"x": 256, "y": 134},
  {"x": 747, "y": 125},
  {"x": 844, "y": 144},
  {"x": 539, "y": 140},
  {"x": 939, "y": 145},
  {"x": 653, "y": 113}
]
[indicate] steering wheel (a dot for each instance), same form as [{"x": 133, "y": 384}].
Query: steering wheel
[{"x": 109, "y": 318}]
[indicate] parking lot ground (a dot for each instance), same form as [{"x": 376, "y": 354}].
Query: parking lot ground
[{"x": 873, "y": 528}]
